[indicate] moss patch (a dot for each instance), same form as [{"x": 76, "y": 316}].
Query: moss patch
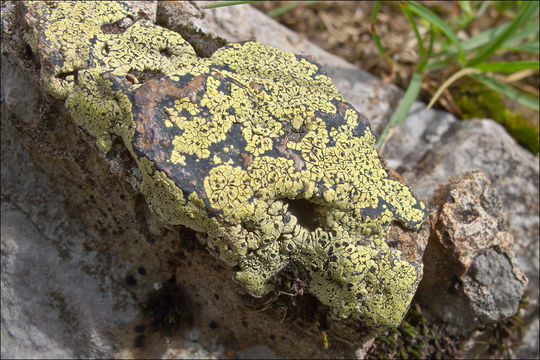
[{"x": 480, "y": 102}]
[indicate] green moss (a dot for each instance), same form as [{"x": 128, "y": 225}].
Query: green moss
[
  {"x": 480, "y": 102},
  {"x": 422, "y": 338},
  {"x": 225, "y": 143},
  {"x": 417, "y": 338}
]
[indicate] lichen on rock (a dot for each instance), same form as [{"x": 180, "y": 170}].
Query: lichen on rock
[{"x": 229, "y": 145}]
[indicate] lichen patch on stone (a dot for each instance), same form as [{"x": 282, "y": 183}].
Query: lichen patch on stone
[{"x": 225, "y": 143}]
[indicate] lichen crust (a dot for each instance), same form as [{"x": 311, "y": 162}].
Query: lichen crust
[{"x": 230, "y": 145}]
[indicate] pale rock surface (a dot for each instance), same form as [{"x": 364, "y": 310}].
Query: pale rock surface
[{"x": 53, "y": 304}]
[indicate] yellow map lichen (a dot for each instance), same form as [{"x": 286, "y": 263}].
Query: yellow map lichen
[{"x": 230, "y": 145}]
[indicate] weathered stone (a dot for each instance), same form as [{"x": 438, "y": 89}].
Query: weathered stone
[
  {"x": 226, "y": 145},
  {"x": 81, "y": 254},
  {"x": 471, "y": 278}
]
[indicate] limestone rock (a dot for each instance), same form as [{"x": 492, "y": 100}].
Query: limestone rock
[{"x": 471, "y": 276}]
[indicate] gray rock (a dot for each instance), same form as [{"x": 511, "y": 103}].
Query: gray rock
[
  {"x": 257, "y": 352},
  {"x": 64, "y": 292},
  {"x": 513, "y": 172},
  {"x": 96, "y": 192},
  {"x": 493, "y": 277},
  {"x": 19, "y": 92},
  {"x": 471, "y": 278},
  {"x": 431, "y": 140},
  {"x": 420, "y": 134},
  {"x": 428, "y": 148},
  {"x": 265, "y": 129},
  {"x": 147, "y": 9},
  {"x": 52, "y": 301}
]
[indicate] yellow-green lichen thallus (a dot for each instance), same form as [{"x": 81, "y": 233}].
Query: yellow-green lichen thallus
[{"x": 224, "y": 144}]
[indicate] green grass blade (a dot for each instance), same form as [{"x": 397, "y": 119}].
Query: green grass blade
[
  {"x": 436, "y": 21},
  {"x": 228, "y": 3},
  {"x": 431, "y": 38},
  {"x": 411, "y": 94},
  {"x": 409, "y": 16},
  {"x": 533, "y": 47},
  {"x": 376, "y": 37},
  {"x": 283, "y": 9},
  {"x": 526, "y": 13},
  {"x": 466, "y": 7},
  {"x": 375, "y": 11},
  {"x": 529, "y": 31},
  {"x": 477, "y": 41},
  {"x": 507, "y": 67},
  {"x": 438, "y": 65},
  {"x": 507, "y": 91},
  {"x": 288, "y": 7},
  {"x": 466, "y": 16},
  {"x": 423, "y": 62},
  {"x": 377, "y": 40},
  {"x": 485, "y": 37},
  {"x": 483, "y": 7}
]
